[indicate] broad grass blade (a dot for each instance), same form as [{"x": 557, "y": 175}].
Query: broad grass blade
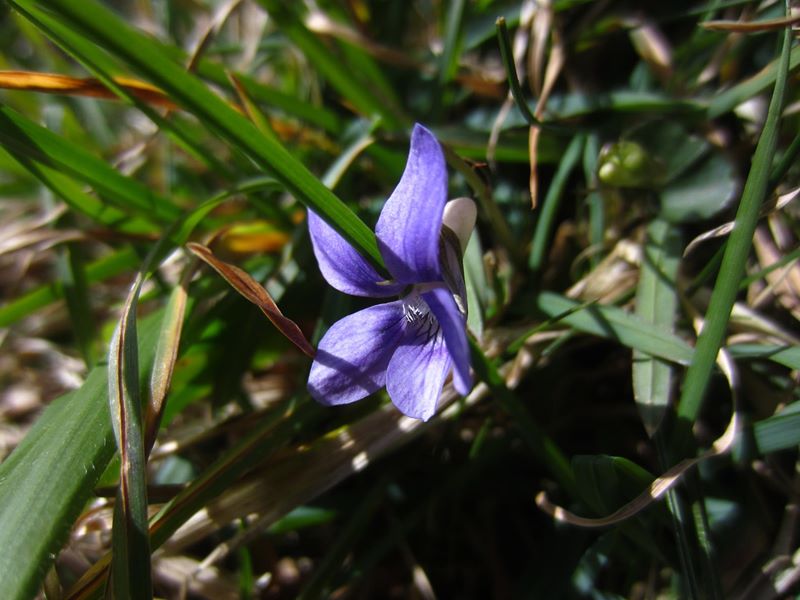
[
  {"x": 616, "y": 324},
  {"x": 656, "y": 302},
  {"x": 46, "y": 481}
]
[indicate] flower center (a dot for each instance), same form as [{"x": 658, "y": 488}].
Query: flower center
[
  {"x": 415, "y": 309},
  {"x": 418, "y": 315}
]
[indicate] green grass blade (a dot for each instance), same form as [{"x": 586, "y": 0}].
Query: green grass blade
[
  {"x": 263, "y": 94},
  {"x": 544, "y": 224},
  {"x": 735, "y": 256},
  {"x": 184, "y": 133},
  {"x": 507, "y": 56},
  {"x": 542, "y": 446},
  {"x": 594, "y": 200},
  {"x": 72, "y": 275},
  {"x": 130, "y": 536},
  {"x": 341, "y": 75},
  {"x": 101, "y": 269},
  {"x": 148, "y": 57},
  {"x": 25, "y": 139},
  {"x": 616, "y": 324},
  {"x": 779, "y": 432},
  {"x": 118, "y": 262},
  {"x": 759, "y": 83},
  {"x": 788, "y": 356},
  {"x": 453, "y": 26},
  {"x": 80, "y": 201}
]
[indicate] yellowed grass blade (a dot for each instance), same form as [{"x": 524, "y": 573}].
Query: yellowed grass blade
[
  {"x": 751, "y": 26},
  {"x": 52, "y": 83},
  {"x": 255, "y": 293}
]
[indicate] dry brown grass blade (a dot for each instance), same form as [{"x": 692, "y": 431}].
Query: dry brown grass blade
[
  {"x": 304, "y": 473},
  {"x": 52, "y": 83},
  {"x": 751, "y": 26},
  {"x": 543, "y": 80},
  {"x": 218, "y": 21},
  {"x": 654, "y": 48},
  {"x": 726, "y": 228},
  {"x": 614, "y": 277},
  {"x": 255, "y": 293},
  {"x": 661, "y": 485},
  {"x": 784, "y": 282},
  {"x": 520, "y": 45},
  {"x": 188, "y": 575},
  {"x": 319, "y": 22},
  {"x": 21, "y": 231},
  {"x": 166, "y": 356}
]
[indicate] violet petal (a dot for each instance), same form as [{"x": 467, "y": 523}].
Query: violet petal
[
  {"x": 416, "y": 375},
  {"x": 353, "y": 355},
  {"x": 453, "y": 328},
  {"x": 342, "y": 266},
  {"x": 410, "y": 222}
]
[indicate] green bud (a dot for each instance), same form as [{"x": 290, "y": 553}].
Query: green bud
[{"x": 627, "y": 164}]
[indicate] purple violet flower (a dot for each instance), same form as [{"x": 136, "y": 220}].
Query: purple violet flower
[{"x": 409, "y": 345}]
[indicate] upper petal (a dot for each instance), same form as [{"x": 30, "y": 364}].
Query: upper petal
[
  {"x": 454, "y": 329},
  {"x": 341, "y": 264},
  {"x": 416, "y": 375},
  {"x": 352, "y": 356},
  {"x": 410, "y": 222}
]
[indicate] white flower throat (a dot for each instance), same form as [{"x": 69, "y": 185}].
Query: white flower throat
[{"x": 415, "y": 309}]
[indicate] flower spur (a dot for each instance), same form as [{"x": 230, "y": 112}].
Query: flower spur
[{"x": 409, "y": 345}]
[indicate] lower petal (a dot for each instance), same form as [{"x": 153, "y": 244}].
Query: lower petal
[
  {"x": 353, "y": 355},
  {"x": 416, "y": 375},
  {"x": 454, "y": 329}
]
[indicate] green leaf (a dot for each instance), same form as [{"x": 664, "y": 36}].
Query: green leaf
[
  {"x": 700, "y": 193},
  {"x": 779, "y": 432},
  {"x": 479, "y": 292},
  {"x": 46, "y": 481},
  {"x": 453, "y": 35},
  {"x": 788, "y": 356},
  {"x": 608, "y": 482},
  {"x": 302, "y": 517}
]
